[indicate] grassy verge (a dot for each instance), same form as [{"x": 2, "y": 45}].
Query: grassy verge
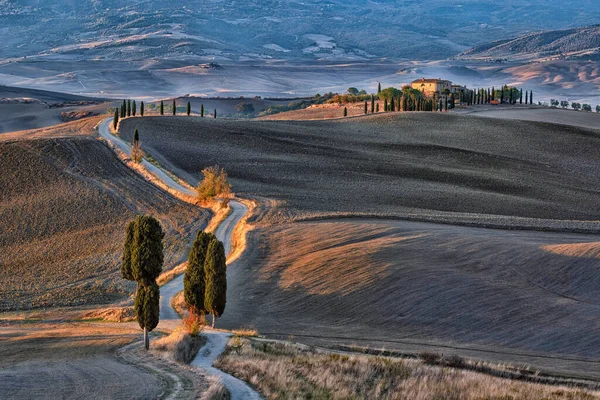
[
  {"x": 179, "y": 346},
  {"x": 282, "y": 370}
]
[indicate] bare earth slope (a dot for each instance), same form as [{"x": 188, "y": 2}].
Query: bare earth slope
[
  {"x": 392, "y": 165},
  {"x": 64, "y": 204},
  {"x": 526, "y": 298}
]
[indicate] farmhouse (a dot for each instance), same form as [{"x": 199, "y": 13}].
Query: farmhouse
[{"x": 429, "y": 87}]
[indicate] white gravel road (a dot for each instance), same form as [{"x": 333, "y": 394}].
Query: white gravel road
[{"x": 216, "y": 340}]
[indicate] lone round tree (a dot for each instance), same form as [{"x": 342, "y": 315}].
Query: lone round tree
[
  {"x": 142, "y": 261},
  {"x": 215, "y": 270},
  {"x": 194, "y": 282}
]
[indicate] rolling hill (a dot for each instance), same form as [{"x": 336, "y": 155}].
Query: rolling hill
[{"x": 571, "y": 44}]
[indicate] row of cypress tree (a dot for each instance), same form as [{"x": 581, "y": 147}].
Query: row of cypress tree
[
  {"x": 129, "y": 109},
  {"x": 188, "y": 109},
  {"x": 505, "y": 95},
  {"x": 205, "y": 280}
]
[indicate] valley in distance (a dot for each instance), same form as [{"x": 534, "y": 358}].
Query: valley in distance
[{"x": 191, "y": 216}]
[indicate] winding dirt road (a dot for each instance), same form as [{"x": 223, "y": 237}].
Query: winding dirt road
[{"x": 169, "y": 319}]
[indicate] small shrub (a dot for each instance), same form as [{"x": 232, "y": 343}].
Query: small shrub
[
  {"x": 194, "y": 323},
  {"x": 214, "y": 184},
  {"x": 137, "y": 154},
  {"x": 430, "y": 358}
]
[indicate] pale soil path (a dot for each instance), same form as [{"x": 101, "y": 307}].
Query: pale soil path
[{"x": 216, "y": 340}]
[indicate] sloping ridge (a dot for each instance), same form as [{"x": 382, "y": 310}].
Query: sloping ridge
[{"x": 547, "y": 43}]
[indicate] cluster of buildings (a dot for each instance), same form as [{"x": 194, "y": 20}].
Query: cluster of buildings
[{"x": 439, "y": 87}]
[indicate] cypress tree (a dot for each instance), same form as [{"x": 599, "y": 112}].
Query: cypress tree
[
  {"x": 116, "y": 119},
  {"x": 502, "y": 96},
  {"x": 445, "y": 103},
  {"x": 531, "y": 97},
  {"x": 521, "y": 97},
  {"x": 372, "y": 104},
  {"x": 392, "y": 105},
  {"x": 124, "y": 109},
  {"x": 126, "y": 271},
  {"x": 162, "y": 107},
  {"x": 142, "y": 108},
  {"x": 147, "y": 308},
  {"x": 215, "y": 272},
  {"x": 136, "y": 137},
  {"x": 142, "y": 261},
  {"x": 385, "y": 105},
  {"x": 129, "y": 108},
  {"x": 377, "y": 107},
  {"x": 493, "y": 93},
  {"x": 147, "y": 252},
  {"x": 366, "y": 108},
  {"x": 189, "y": 108},
  {"x": 345, "y": 112},
  {"x": 194, "y": 282},
  {"x": 202, "y": 110},
  {"x": 215, "y": 114},
  {"x": 174, "y": 108},
  {"x": 511, "y": 97},
  {"x": 379, "y": 88},
  {"x": 133, "y": 108}
]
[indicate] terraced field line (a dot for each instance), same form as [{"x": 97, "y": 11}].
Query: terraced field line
[{"x": 216, "y": 340}]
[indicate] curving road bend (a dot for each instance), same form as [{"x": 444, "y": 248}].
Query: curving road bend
[{"x": 169, "y": 319}]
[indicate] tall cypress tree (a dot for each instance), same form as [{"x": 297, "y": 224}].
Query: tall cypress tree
[
  {"x": 202, "y": 110},
  {"x": 162, "y": 107},
  {"x": 189, "y": 109},
  {"x": 392, "y": 105},
  {"x": 377, "y": 107},
  {"x": 142, "y": 108},
  {"x": 116, "y": 119},
  {"x": 142, "y": 260},
  {"x": 136, "y": 137},
  {"x": 385, "y": 105},
  {"x": 124, "y": 109},
  {"x": 194, "y": 281},
  {"x": 215, "y": 114},
  {"x": 372, "y": 104},
  {"x": 129, "y": 108},
  {"x": 133, "y": 108},
  {"x": 379, "y": 88},
  {"x": 174, "y": 108},
  {"x": 345, "y": 112},
  {"x": 366, "y": 108},
  {"x": 531, "y": 97},
  {"x": 521, "y": 97},
  {"x": 215, "y": 272}
]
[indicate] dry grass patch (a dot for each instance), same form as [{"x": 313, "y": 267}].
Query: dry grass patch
[
  {"x": 283, "y": 371},
  {"x": 179, "y": 346},
  {"x": 216, "y": 390}
]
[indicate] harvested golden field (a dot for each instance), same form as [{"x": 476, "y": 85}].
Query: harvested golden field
[
  {"x": 64, "y": 204},
  {"x": 284, "y": 371},
  {"x": 323, "y": 111},
  {"x": 410, "y": 287}
]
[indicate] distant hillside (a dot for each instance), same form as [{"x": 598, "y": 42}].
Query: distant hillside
[
  {"x": 577, "y": 43},
  {"x": 281, "y": 29}
]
